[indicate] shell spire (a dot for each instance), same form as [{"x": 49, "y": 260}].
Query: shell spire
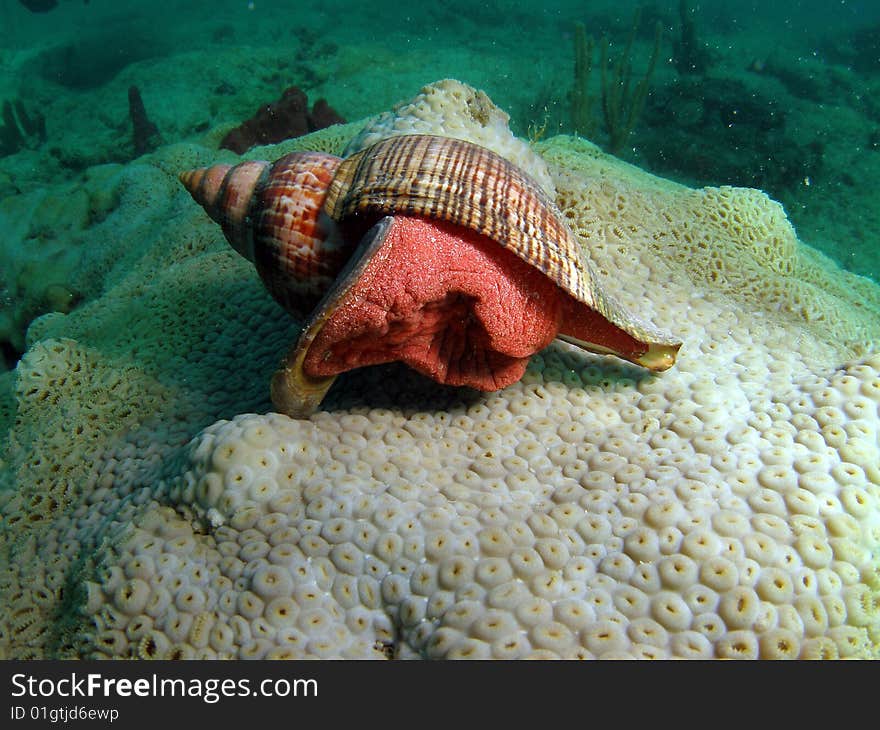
[
  {"x": 272, "y": 214},
  {"x": 225, "y": 192}
]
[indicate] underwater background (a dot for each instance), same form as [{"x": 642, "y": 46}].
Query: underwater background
[{"x": 135, "y": 344}]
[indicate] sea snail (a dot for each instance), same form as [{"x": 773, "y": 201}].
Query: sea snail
[{"x": 424, "y": 249}]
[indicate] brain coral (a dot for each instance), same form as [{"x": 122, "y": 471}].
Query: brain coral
[{"x": 727, "y": 507}]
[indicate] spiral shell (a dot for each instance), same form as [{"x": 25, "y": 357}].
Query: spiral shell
[
  {"x": 272, "y": 214},
  {"x": 456, "y": 181},
  {"x": 448, "y": 179},
  {"x": 300, "y": 219}
]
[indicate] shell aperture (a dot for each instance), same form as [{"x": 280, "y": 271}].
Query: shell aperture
[{"x": 454, "y": 236}]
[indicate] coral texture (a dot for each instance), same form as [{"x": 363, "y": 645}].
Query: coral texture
[
  {"x": 67, "y": 242},
  {"x": 728, "y": 507}
]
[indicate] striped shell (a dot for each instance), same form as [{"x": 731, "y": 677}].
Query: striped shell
[
  {"x": 448, "y": 179},
  {"x": 300, "y": 219},
  {"x": 272, "y": 214},
  {"x": 456, "y": 181}
]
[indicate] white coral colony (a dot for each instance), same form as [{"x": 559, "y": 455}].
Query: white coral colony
[{"x": 726, "y": 508}]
